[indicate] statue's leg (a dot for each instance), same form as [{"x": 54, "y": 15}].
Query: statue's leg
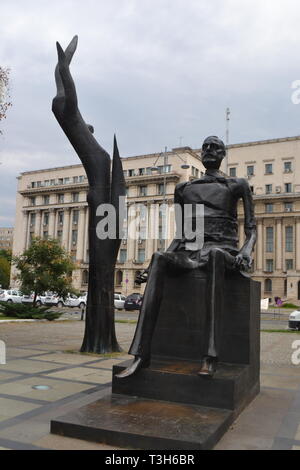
[
  {"x": 217, "y": 262},
  {"x": 141, "y": 344}
]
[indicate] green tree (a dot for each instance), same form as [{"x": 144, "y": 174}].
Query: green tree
[
  {"x": 4, "y": 272},
  {"x": 44, "y": 266}
]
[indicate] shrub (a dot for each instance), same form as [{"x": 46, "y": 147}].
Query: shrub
[{"x": 27, "y": 312}]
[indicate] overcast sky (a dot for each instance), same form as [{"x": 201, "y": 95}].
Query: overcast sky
[{"x": 157, "y": 72}]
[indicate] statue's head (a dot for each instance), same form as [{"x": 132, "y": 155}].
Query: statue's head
[{"x": 213, "y": 152}]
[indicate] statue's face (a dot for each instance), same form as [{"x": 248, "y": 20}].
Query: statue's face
[{"x": 213, "y": 152}]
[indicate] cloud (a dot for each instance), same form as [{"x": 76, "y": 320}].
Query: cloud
[{"x": 156, "y": 72}]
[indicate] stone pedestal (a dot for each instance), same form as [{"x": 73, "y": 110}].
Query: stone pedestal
[{"x": 168, "y": 406}]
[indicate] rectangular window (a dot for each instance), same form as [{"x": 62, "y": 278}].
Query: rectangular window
[
  {"x": 61, "y": 218},
  {"x": 74, "y": 237},
  {"x": 268, "y": 188},
  {"x": 81, "y": 179},
  {"x": 269, "y": 265},
  {"x": 160, "y": 189},
  {"x": 289, "y": 264},
  {"x": 59, "y": 235},
  {"x": 142, "y": 171},
  {"x": 46, "y": 200},
  {"x": 32, "y": 219},
  {"x": 123, "y": 256},
  {"x": 287, "y": 167},
  {"x": 60, "y": 198},
  {"x": 75, "y": 179},
  {"x": 232, "y": 172},
  {"x": 75, "y": 217},
  {"x": 143, "y": 191},
  {"x": 250, "y": 170},
  {"x": 268, "y": 168},
  {"x": 75, "y": 197},
  {"x": 288, "y": 207},
  {"x": 288, "y": 187},
  {"x": 52, "y": 182},
  {"x": 269, "y": 239},
  {"x": 141, "y": 255},
  {"x": 269, "y": 207},
  {"x": 289, "y": 239},
  {"x": 130, "y": 172},
  {"x": 46, "y": 218},
  {"x": 60, "y": 181},
  {"x": 45, "y": 234},
  {"x": 47, "y": 183},
  {"x": 32, "y": 201},
  {"x": 66, "y": 180}
]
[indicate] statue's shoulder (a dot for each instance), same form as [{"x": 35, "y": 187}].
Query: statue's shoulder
[{"x": 181, "y": 186}]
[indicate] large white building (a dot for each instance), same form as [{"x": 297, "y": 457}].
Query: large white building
[{"x": 52, "y": 203}]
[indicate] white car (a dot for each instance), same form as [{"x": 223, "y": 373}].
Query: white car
[
  {"x": 11, "y": 296},
  {"x": 119, "y": 301},
  {"x": 294, "y": 320},
  {"x": 72, "y": 301}
]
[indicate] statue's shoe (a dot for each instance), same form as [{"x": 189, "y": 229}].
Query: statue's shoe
[
  {"x": 138, "y": 363},
  {"x": 208, "y": 366}
]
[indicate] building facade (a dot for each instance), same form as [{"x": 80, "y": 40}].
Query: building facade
[
  {"x": 6, "y": 238},
  {"x": 52, "y": 203}
]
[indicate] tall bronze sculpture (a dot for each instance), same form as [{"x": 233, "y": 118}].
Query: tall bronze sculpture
[
  {"x": 220, "y": 196},
  {"x": 105, "y": 187}
]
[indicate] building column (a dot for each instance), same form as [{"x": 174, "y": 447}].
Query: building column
[
  {"x": 51, "y": 227},
  {"x": 297, "y": 267},
  {"x": 38, "y": 221},
  {"x": 80, "y": 238},
  {"x": 66, "y": 229},
  {"x": 25, "y": 229},
  {"x": 278, "y": 244},
  {"x": 260, "y": 246}
]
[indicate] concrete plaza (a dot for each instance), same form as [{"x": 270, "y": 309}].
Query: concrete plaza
[{"x": 46, "y": 354}]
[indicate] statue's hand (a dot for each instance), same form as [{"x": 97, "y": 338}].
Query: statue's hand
[
  {"x": 243, "y": 261},
  {"x": 142, "y": 277}
]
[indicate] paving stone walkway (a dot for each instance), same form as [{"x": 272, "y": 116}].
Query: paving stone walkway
[{"x": 46, "y": 354}]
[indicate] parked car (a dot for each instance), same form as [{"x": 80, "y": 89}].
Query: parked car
[
  {"x": 133, "y": 302},
  {"x": 11, "y": 296},
  {"x": 119, "y": 301},
  {"x": 294, "y": 320},
  {"x": 72, "y": 301},
  {"x": 28, "y": 299}
]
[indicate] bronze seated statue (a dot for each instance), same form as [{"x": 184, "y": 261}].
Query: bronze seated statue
[{"x": 218, "y": 255}]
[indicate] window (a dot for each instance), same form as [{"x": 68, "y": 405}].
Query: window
[
  {"x": 46, "y": 218},
  {"x": 287, "y": 167},
  {"x": 288, "y": 206},
  {"x": 130, "y": 172},
  {"x": 160, "y": 189},
  {"x": 289, "y": 264},
  {"x": 46, "y": 200},
  {"x": 143, "y": 191},
  {"x": 47, "y": 183},
  {"x": 61, "y": 218},
  {"x": 119, "y": 278},
  {"x": 288, "y": 187},
  {"x": 250, "y": 170},
  {"x": 75, "y": 217},
  {"x": 59, "y": 235},
  {"x": 32, "y": 201},
  {"x": 75, "y": 179},
  {"x": 74, "y": 237},
  {"x": 268, "y": 168},
  {"x": 81, "y": 179},
  {"x": 60, "y": 198},
  {"x": 141, "y": 255},
  {"x": 142, "y": 171},
  {"x": 32, "y": 219},
  {"x": 269, "y": 239},
  {"x": 268, "y": 188},
  {"x": 75, "y": 197},
  {"x": 52, "y": 182},
  {"x": 123, "y": 256},
  {"x": 66, "y": 180},
  {"x": 60, "y": 181},
  {"x": 269, "y": 207},
  {"x": 195, "y": 172},
  {"x": 85, "y": 276},
  {"x": 45, "y": 234},
  {"x": 125, "y": 173},
  {"x": 232, "y": 172},
  {"x": 289, "y": 235},
  {"x": 268, "y": 285},
  {"x": 269, "y": 265}
]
